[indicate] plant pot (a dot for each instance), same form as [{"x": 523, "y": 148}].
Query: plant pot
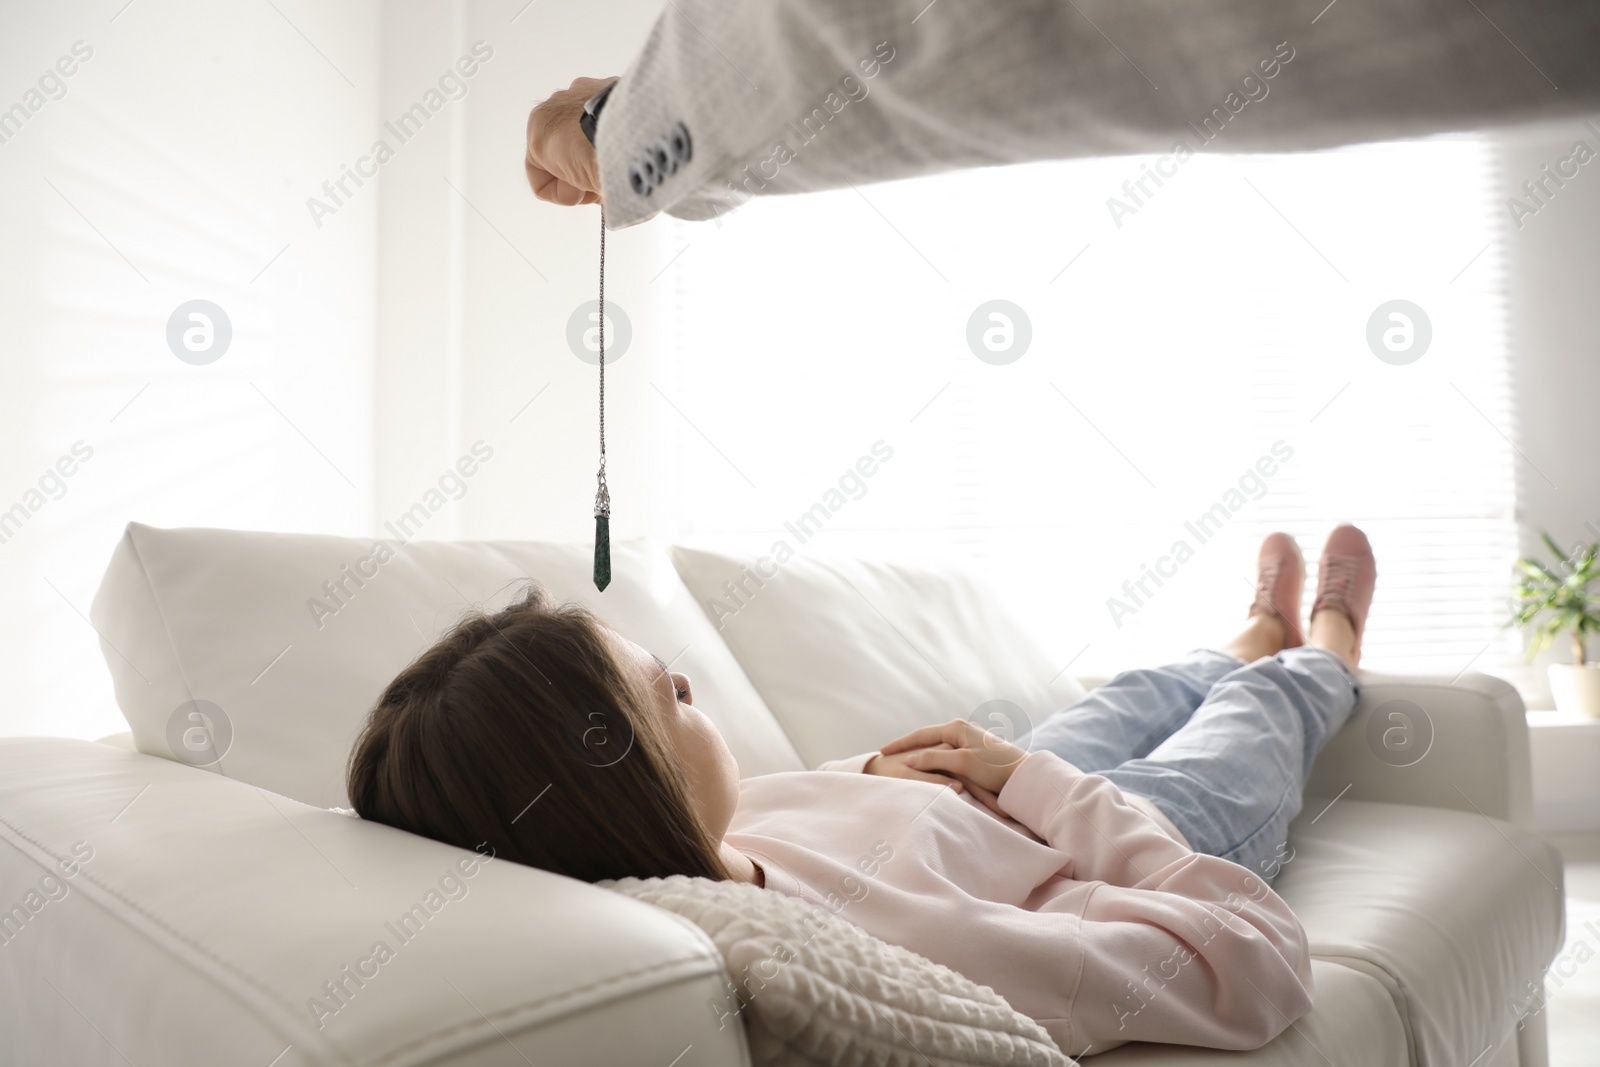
[{"x": 1576, "y": 689}]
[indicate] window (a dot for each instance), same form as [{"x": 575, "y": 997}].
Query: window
[{"x": 1198, "y": 373}]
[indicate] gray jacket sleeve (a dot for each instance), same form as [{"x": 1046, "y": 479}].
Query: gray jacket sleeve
[{"x": 735, "y": 98}]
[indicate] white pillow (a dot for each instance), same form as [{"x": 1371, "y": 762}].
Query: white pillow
[
  {"x": 227, "y": 642},
  {"x": 851, "y": 653},
  {"x": 812, "y": 987}
]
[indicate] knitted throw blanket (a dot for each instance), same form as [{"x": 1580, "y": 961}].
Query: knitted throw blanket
[{"x": 813, "y": 988}]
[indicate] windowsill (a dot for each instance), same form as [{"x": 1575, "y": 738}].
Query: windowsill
[{"x": 1549, "y": 718}]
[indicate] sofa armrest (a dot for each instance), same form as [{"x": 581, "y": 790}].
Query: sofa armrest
[
  {"x": 154, "y": 912},
  {"x": 1431, "y": 741}
]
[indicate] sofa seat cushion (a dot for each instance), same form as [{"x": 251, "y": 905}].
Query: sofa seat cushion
[
  {"x": 1353, "y": 1022},
  {"x": 1453, "y": 912}
]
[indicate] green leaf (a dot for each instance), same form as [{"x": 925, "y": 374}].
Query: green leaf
[
  {"x": 1550, "y": 601},
  {"x": 1550, "y": 543},
  {"x": 1535, "y": 569}
]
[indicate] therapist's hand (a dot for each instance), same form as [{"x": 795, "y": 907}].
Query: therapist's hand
[{"x": 561, "y": 163}]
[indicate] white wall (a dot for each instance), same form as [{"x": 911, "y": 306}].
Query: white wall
[
  {"x": 1553, "y": 264},
  {"x": 174, "y": 166},
  {"x": 1554, "y": 268},
  {"x": 477, "y": 283},
  {"x": 373, "y": 342}
]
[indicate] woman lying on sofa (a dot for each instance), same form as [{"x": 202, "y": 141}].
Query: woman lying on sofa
[{"x": 1109, "y": 875}]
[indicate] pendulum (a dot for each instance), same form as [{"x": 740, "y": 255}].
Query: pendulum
[{"x": 602, "y": 496}]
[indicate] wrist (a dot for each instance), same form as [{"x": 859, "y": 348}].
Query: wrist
[
  {"x": 1012, "y": 771},
  {"x": 1005, "y": 760}
]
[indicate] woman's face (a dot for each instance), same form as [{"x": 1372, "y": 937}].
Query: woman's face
[{"x": 710, "y": 768}]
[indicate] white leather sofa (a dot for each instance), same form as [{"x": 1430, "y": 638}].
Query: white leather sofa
[{"x": 165, "y": 906}]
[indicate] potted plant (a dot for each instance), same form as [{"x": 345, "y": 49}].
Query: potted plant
[{"x": 1556, "y": 600}]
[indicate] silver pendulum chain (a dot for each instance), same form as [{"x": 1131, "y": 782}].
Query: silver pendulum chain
[{"x": 602, "y": 496}]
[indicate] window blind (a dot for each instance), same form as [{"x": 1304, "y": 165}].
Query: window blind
[{"x": 1200, "y": 370}]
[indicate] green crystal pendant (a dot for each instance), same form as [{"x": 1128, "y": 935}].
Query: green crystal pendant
[{"x": 602, "y": 552}]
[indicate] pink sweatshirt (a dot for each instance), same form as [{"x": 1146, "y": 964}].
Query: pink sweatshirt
[{"x": 1085, "y": 910}]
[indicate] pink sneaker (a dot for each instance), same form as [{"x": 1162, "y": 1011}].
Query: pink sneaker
[
  {"x": 1280, "y": 575},
  {"x": 1346, "y": 576}
]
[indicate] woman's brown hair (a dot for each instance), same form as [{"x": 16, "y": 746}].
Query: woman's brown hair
[{"x": 522, "y": 731}]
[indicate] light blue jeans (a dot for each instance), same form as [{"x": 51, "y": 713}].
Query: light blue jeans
[{"x": 1221, "y": 746}]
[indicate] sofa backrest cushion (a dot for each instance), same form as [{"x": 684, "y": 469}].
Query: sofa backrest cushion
[
  {"x": 850, "y": 653},
  {"x": 268, "y": 649}
]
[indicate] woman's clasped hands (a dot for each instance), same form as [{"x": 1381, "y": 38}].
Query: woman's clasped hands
[{"x": 958, "y": 754}]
